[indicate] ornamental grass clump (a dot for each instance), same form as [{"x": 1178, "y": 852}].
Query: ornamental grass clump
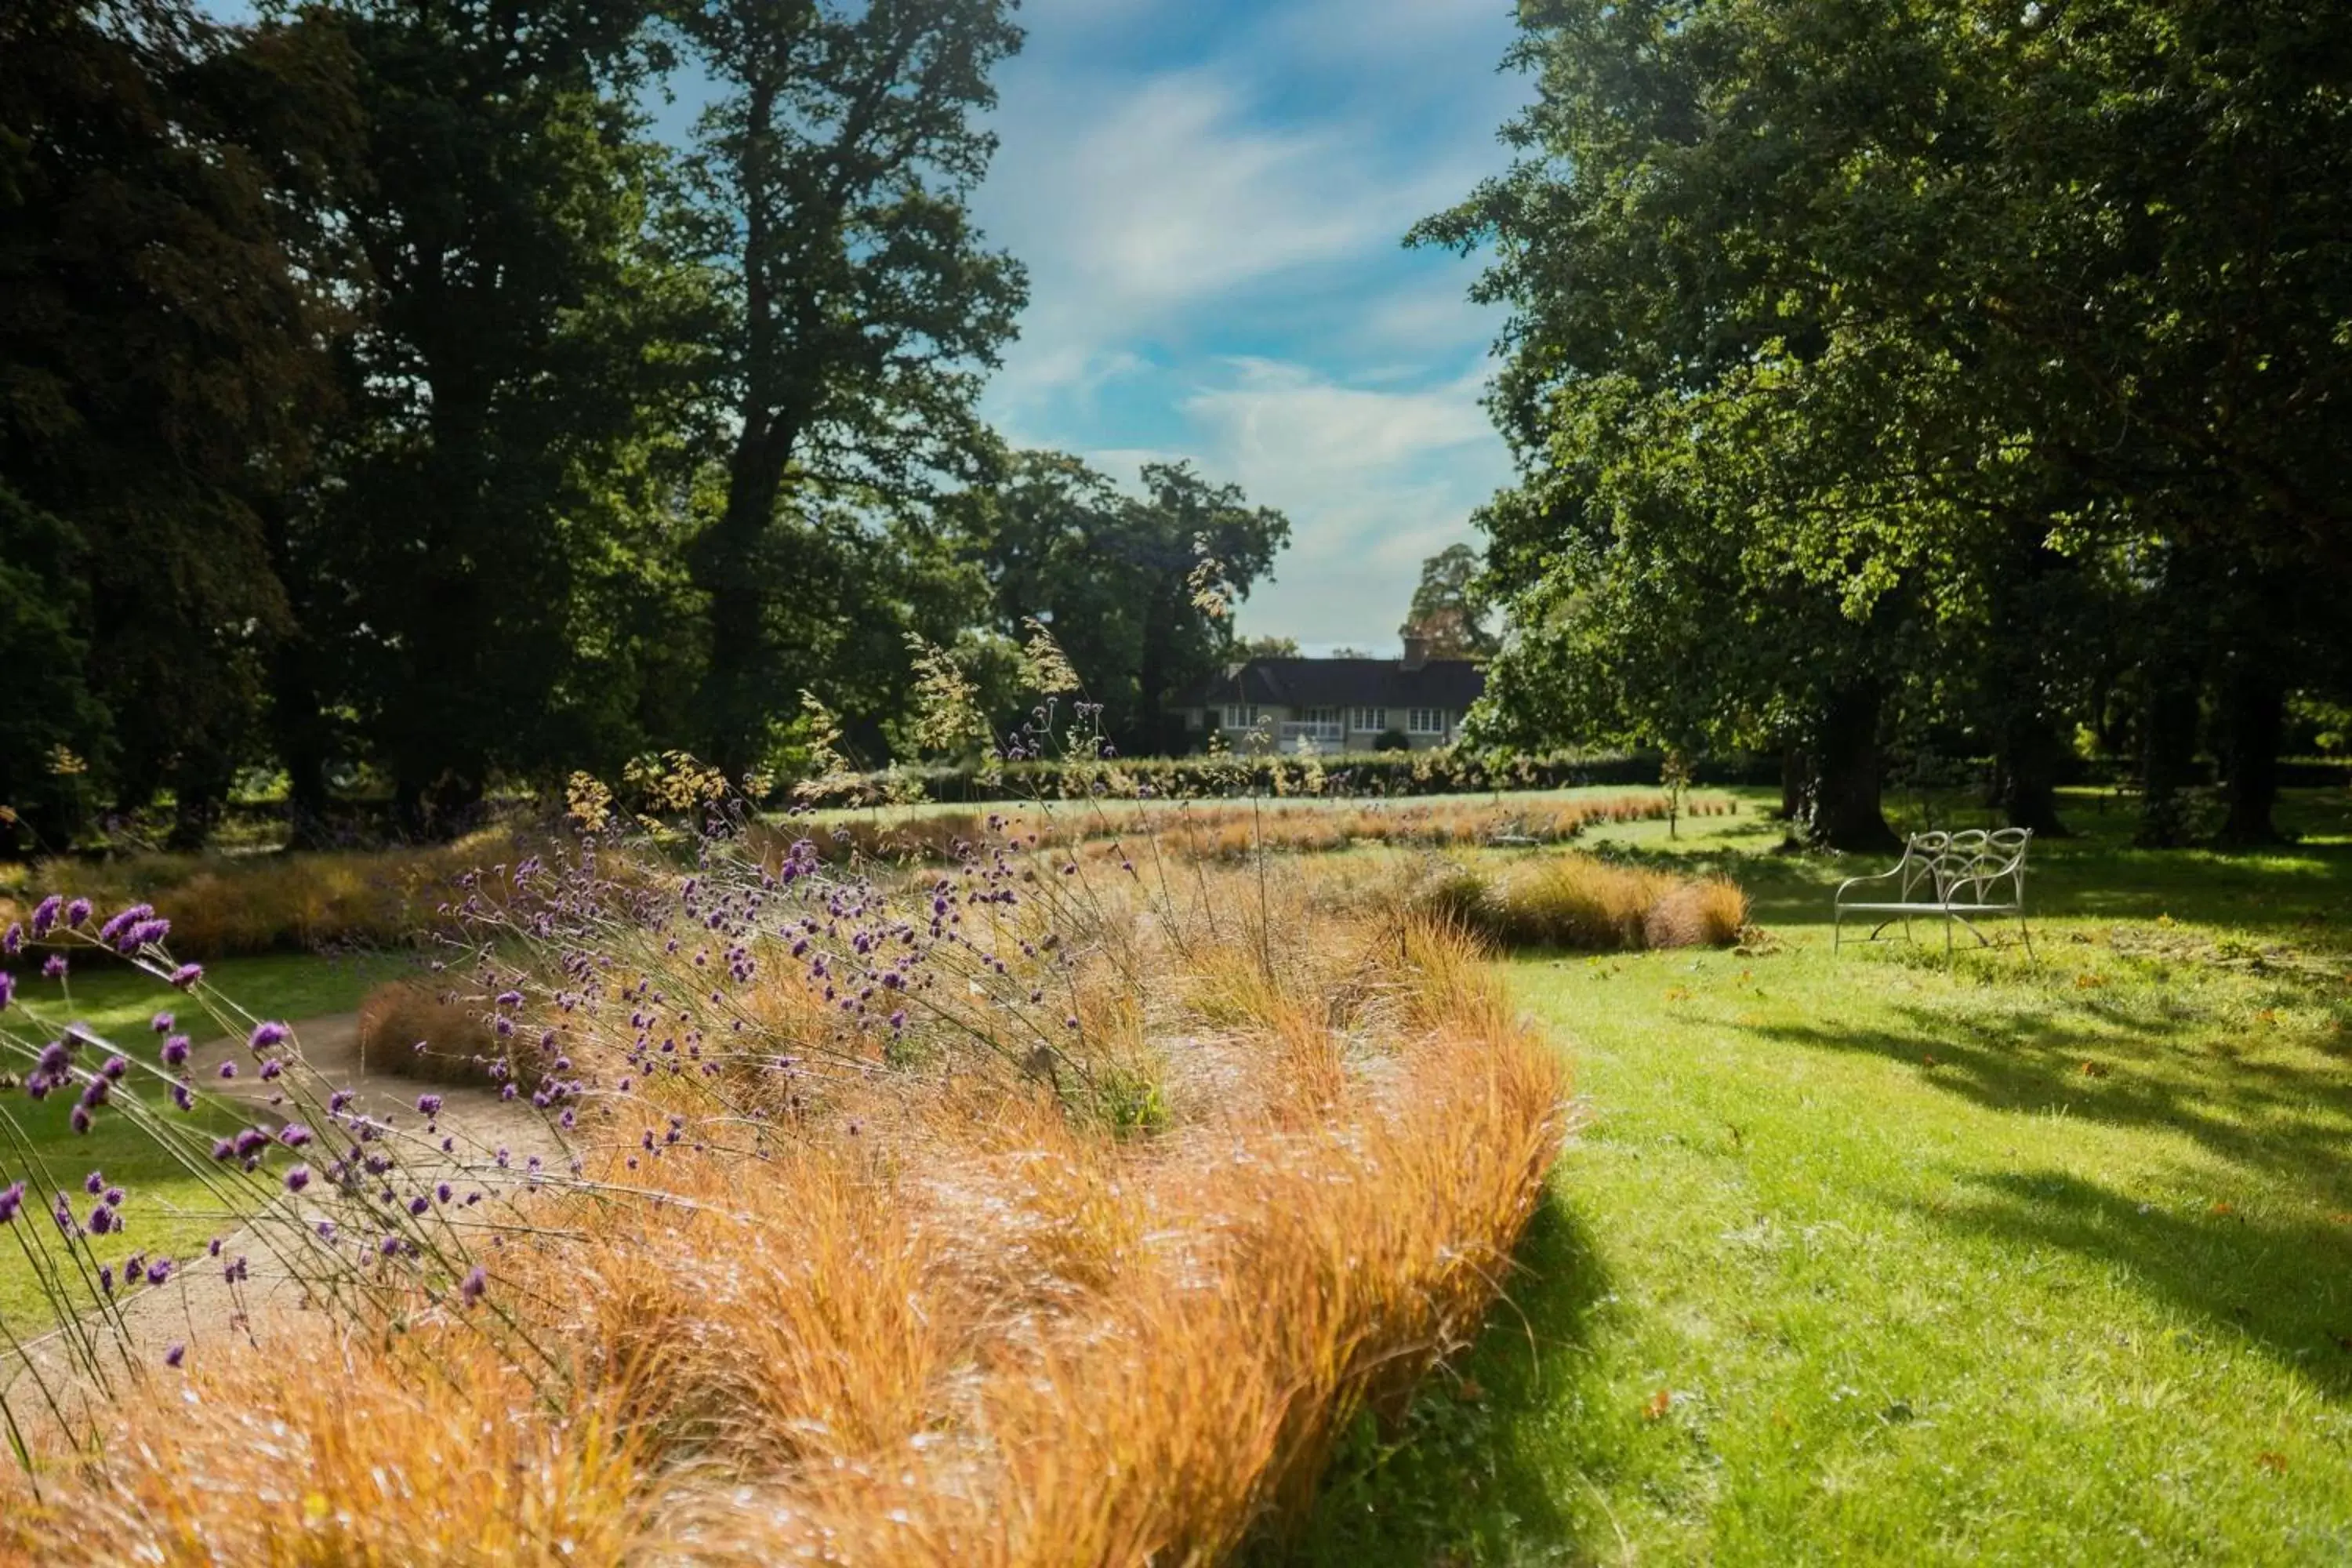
[
  {"x": 1030, "y": 1206},
  {"x": 230, "y": 907},
  {"x": 1580, "y": 903}
]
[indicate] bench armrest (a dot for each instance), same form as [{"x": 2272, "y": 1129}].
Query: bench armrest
[{"x": 1858, "y": 881}]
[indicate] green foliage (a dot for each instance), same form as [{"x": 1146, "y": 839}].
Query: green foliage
[
  {"x": 157, "y": 350},
  {"x": 1138, "y": 590},
  {"x": 1449, "y": 606},
  {"x": 1863, "y": 360},
  {"x": 827, "y": 190}
]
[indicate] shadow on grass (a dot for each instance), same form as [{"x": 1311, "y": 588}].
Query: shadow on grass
[
  {"x": 2282, "y": 1119},
  {"x": 2298, "y": 892},
  {"x": 2277, "y": 1284},
  {"x": 1464, "y": 1478}
]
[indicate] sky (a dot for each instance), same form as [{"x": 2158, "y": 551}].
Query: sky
[{"x": 1211, "y": 197}]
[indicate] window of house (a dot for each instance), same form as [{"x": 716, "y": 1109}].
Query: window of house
[
  {"x": 1371, "y": 721},
  {"x": 1326, "y": 718},
  {"x": 1239, "y": 716},
  {"x": 1425, "y": 720}
]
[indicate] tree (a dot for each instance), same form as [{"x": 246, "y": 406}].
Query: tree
[
  {"x": 1138, "y": 590},
  {"x": 1449, "y": 607},
  {"x": 493, "y": 513},
  {"x": 830, "y": 186},
  {"x": 158, "y": 332},
  {"x": 1956, "y": 313},
  {"x": 1266, "y": 648}
]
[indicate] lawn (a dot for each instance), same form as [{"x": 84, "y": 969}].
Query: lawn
[
  {"x": 172, "y": 1212},
  {"x": 1878, "y": 1256}
]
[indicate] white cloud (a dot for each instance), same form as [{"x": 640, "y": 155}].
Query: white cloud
[
  {"x": 1374, "y": 481},
  {"x": 1211, "y": 196}
]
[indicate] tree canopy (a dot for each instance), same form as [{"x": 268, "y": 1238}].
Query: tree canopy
[{"x": 1857, "y": 356}]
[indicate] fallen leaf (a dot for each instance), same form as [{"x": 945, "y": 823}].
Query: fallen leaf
[
  {"x": 2088, "y": 981},
  {"x": 1469, "y": 1393},
  {"x": 1926, "y": 1061},
  {"x": 1657, "y": 1405},
  {"x": 2275, "y": 1463},
  {"x": 1748, "y": 1021},
  {"x": 2267, "y": 1015},
  {"x": 1679, "y": 993},
  {"x": 2341, "y": 1216},
  {"x": 2223, "y": 1209},
  {"x": 2095, "y": 1069}
]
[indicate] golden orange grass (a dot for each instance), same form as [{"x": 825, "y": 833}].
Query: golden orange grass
[
  {"x": 459, "y": 1042},
  {"x": 1583, "y": 903},
  {"x": 974, "y": 1329},
  {"x": 1294, "y": 1278},
  {"x": 227, "y": 907},
  {"x": 332, "y": 1452}
]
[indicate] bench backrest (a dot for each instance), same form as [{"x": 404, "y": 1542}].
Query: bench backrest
[{"x": 1974, "y": 867}]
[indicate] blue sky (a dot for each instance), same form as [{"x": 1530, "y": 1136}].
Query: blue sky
[{"x": 1211, "y": 197}]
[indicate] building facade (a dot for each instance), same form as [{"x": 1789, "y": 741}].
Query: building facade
[{"x": 1331, "y": 705}]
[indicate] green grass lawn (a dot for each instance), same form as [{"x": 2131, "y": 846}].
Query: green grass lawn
[
  {"x": 171, "y": 1212},
  {"x": 1881, "y": 1258}
]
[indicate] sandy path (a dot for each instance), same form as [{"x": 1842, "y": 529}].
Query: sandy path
[{"x": 198, "y": 1304}]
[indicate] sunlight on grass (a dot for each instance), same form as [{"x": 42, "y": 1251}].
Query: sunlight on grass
[{"x": 1882, "y": 1257}]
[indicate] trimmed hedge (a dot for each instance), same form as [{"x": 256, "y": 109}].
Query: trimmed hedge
[{"x": 1378, "y": 774}]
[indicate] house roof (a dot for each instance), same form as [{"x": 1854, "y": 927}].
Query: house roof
[{"x": 1449, "y": 683}]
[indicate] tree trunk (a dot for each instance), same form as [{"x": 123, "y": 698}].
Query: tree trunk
[
  {"x": 2253, "y": 720},
  {"x": 1792, "y": 783},
  {"x": 734, "y": 687},
  {"x": 2030, "y": 760},
  {"x": 1845, "y": 812},
  {"x": 2167, "y": 726}
]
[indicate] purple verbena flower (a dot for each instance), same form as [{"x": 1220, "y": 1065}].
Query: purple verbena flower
[
  {"x": 12, "y": 1198},
  {"x": 175, "y": 1050},
  {"x": 12, "y": 941},
  {"x": 53, "y": 966},
  {"x": 77, "y": 911},
  {"x": 476, "y": 1280},
  {"x": 297, "y": 1178},
  {"x": 175, "y": 1355},
  {"x": 45, "y": 915},
  {"x": 428, "y": 1104},
  {"x": 187, "y": 975},
  {"x": 266, "y": 1036},
  {"x": 162, "y": 1022}
]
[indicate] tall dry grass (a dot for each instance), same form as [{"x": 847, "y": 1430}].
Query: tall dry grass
[
  {"x": 908, "y": 1301},
  {"x": 1570, "y": 900},
  {"x": 233, "y": 906}
]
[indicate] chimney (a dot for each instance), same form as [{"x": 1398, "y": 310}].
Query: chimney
[{"x": 1416, "y": 652}]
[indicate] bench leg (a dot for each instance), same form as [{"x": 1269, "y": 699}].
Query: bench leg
[{"x": 2027, "y": 933}]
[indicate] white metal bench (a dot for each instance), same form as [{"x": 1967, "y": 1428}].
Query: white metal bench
[{"x": 1960, "y": 878}]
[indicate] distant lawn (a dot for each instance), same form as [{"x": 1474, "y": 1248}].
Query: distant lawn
[
  {"x": 171, "y": 1213},
  {"x": 1879, "y": 1260}
]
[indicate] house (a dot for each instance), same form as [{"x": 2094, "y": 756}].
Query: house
[{"x": 1336, "y": 704}]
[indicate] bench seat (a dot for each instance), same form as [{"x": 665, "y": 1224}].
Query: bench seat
[{"x": 1955, "y": 877}]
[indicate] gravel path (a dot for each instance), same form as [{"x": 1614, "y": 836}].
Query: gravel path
[{"x": 199, "y": 1305}]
